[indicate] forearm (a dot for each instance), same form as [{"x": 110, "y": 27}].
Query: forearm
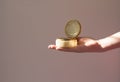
[{"x": 110, "y": 42}]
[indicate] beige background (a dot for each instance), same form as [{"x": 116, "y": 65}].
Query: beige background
[{"x": 27, "y": 27}]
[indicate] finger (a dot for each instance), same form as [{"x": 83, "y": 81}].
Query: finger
[{"x": 52, "y": 46}]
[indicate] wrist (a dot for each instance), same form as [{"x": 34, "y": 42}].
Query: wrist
[{"x": 109, "y": 43}]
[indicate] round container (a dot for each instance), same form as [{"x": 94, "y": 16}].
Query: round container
[{"x": 63, "y": 42}]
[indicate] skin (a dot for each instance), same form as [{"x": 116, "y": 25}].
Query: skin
[{"x": 91, "y": 45}]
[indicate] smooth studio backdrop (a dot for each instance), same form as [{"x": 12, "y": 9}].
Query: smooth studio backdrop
[{"x": 27, "y": 27}]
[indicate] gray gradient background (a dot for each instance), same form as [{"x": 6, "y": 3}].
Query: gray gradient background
[{"x": 27, "y": 27}]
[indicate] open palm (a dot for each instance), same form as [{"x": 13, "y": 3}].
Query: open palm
[{"x": 84, "y": 45}]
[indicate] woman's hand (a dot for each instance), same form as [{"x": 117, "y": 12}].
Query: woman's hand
[{"x": 84, "y": 45}]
